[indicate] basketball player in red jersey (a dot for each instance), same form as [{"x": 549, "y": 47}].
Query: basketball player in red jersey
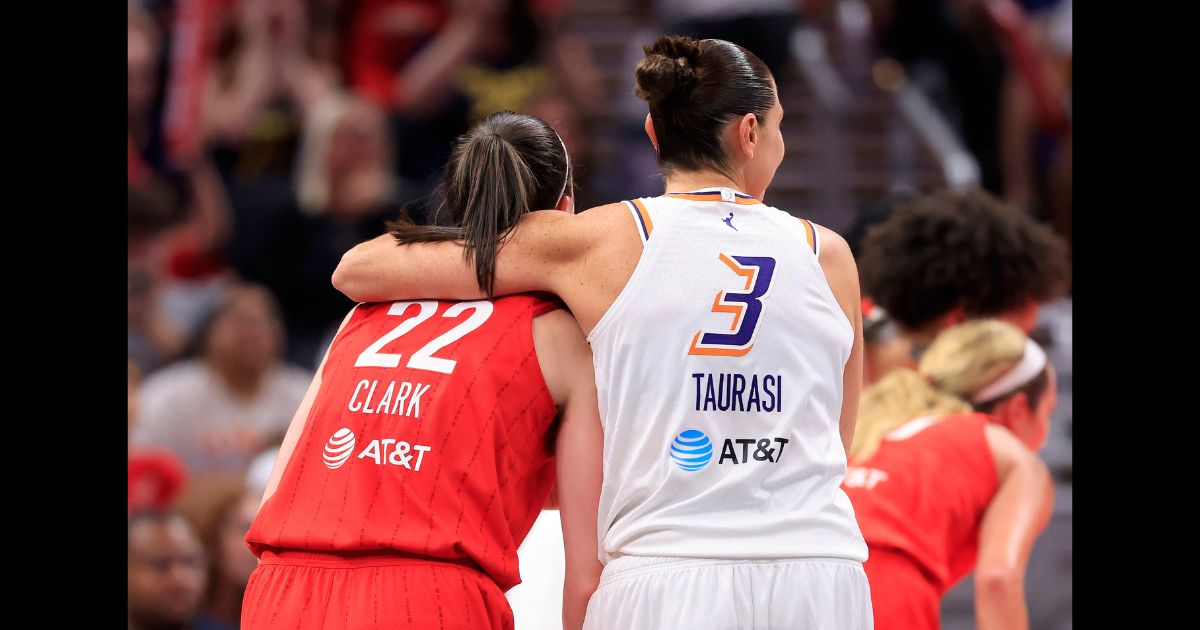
[
  {"x": 426, "y": 445},
  {"x": 939, "y": 490}
]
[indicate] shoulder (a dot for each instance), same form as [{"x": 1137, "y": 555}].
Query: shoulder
[
  {"x": 291, "y": 377},
  {"x": 834, "y": 250},
  {"x": 837, "y": 261},
  {"x": 559, "y": 235},
  {"x": 556, "y": 325},
  {"x": 1009, "y": 453},
  {"x": 172, "y": 378},
  {"x": 562, "y": 352}
]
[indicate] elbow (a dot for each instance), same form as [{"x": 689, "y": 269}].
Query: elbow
[
  {"x": 999, "y": 582},
  {"x": 348, "y": 276}
]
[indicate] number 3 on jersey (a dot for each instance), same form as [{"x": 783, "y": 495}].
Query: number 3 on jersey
[
  {"x": 423, "y": 359},
  {"x": 745, "y": 307}
]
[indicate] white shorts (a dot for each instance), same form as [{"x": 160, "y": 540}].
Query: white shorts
[{"x": 653, "y": 593}]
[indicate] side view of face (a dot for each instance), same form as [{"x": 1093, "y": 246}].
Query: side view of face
[
  {"x": 167, "y": 572},
  {"x": 1029, "y": 424},
  {"x": 237, "y": 562},
  {"x": 759, "y": 171},
  {"x": 248, "y": 332},
  {"x": 1044, "y": 410}
]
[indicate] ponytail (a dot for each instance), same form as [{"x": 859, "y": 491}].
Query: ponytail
[{"x": 505, "y": 166}]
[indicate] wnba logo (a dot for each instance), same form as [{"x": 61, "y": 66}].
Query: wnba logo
[
  {"x": 339, "y": 448},
  {"x": 692, "y": 450}
]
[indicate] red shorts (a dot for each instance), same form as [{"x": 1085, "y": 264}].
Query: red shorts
[
  {"x": 295, "y": 589},
  {"x": 902, "y": 596}
]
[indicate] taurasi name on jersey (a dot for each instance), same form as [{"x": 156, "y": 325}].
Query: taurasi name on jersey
[
  {"x": 399, "y": 399},
  {"x": 737, "y": 392}
]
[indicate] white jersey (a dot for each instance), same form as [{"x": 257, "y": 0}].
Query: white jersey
[{"x": 719, "y": 372}]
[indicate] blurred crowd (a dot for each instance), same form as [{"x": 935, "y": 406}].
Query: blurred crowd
[{"x": 267, "y": 137}]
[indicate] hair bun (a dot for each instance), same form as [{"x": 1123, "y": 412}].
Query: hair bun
[{"x": 670, "y": 69}]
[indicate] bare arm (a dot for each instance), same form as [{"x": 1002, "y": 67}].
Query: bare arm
[
  {"x": 1014, "y": 519},
  {"x": 292, "y": 437},
  {"x": 209, "y": 224},
  {"x": 842, "y": 274},
  {"x": 426, "y": 81},
  {"x": 566, "y": 361},
  {"x": 229, "y": 110},
  {"x": 300, "y": 76},
  {"x": 537, "y": 256}
]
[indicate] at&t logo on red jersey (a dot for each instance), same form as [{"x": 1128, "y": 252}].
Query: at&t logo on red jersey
[{"x": 383, "y": 452}]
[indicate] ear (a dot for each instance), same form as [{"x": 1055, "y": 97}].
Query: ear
[
  {"x": 1014, "y": 414},
  {"x": 566, "y": 204},
  {"x": 650, "y": 132},
  {"x": 747, "y": 135}
]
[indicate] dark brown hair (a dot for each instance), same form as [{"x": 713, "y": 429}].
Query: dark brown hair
[
  {"x": 694, "y": 88},
  {"x": 968, "y": 248},
  {"x": 505, "y": 166}
]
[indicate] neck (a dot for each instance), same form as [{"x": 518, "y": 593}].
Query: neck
[
  {"x": 697, "y": 180},
  {"x": 242, "y": 381}
]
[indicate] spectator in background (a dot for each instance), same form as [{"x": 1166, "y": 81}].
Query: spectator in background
[
  {"x": 221, "y": 510},
  {"x": 943, "y": 258},
  {"x": 764, "y": 27},
  {"x": 167, "y": 572},
  {"x": 144, "y": 98},
  {"x": 154, "y": 214},
  {"x": 219, "y": 409},
  {"x": 187, "y": 265},
  {"x": 951, "y": 49},
  {"x": 523, "y": 64},
  {"x": 1035, "y": 123},
  {"x": 264, "y": 82},
  {"x": 290, "y": 239},
  {"x": 156, "y": 476},
  {"x": 401, "y": 55},
  {"x": 437, "y": 67},
  {"x": 345, "y": 166}
]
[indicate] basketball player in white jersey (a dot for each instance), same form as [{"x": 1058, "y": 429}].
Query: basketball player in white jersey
[{"x": 727, "y": 343}]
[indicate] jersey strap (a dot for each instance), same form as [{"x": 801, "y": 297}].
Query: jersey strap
[
  {"x": 810, "y": 233},
  {"x": 641, "y": 217}
]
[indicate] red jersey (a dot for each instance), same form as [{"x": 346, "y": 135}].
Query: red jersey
[
  {"x": 923, "y": 494},
  {"x": 427, "y": 438}
]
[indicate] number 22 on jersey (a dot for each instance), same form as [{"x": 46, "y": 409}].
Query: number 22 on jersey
[
  {"x": 423, "y": 359},
  {"x": 746, "y": 308}
]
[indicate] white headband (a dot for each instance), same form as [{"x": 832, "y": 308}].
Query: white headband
[
  {"x": 567, "y": 177},
  {"x": 1032, "y": 363}
]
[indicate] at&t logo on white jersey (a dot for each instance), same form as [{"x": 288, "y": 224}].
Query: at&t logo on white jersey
[
  {"x": 383, "y": 452},
  {"x": 692, "y": 450},
  {"x": 339, "y": 448}
]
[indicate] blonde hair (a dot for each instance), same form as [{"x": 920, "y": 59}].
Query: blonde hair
[{"x": 962, "y": 361}]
